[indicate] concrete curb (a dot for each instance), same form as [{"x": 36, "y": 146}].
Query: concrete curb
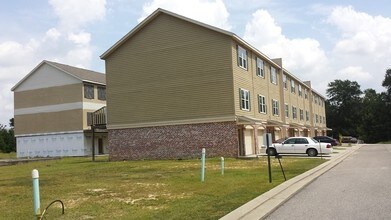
[{"x": 265, "y": 204}]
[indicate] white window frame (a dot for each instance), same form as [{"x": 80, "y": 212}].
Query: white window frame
[
  {"x": 260, "y": 68},
  {"x": 89, "y": 91},
  {"x": 275, "y": 106},
  {"x": 307, "y": 115},
  {"x": 300, "y": 92},
  {"x": 262, "y": 104},
  {"x": 301, "y": 111},
  {"x": 101, "y": 93},
  {"x": 273, "y": 75},
  {"x": 286, "y": 110},
  {"x": 242, "y": 57},
  {"x": 305, "y": 93},
  {"x": 317, "y": 118},
  {"x": 294, "y": 112},
  {"x": 293, "y": 87},
  {"x": 244, "y": 100},
  {"x": 284, "y": 79}
]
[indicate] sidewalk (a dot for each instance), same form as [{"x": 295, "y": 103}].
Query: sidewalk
[{"x": 263, "y": 205}]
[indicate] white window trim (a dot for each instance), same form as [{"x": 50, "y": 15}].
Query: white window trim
[
  {"x": 293, "y": 86},
  {"x": 286, "y": 110},
  {"x": 247, "y": 107},
  {"x": 273, "y": 77},
  {"x": 285, "y": 81},
  {"x": 242, "y": 55},
  {"x": 294, "y": 112},
  {"x": 262, "y": 70},
  {"x": 261, "y": 97},
  {"x": 275, "y": 107},
  {"x": 299, "y": 90},
  {"x": 301, "y": 113}
]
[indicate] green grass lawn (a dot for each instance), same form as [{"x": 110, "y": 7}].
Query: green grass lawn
[
  {"x": 167, "y": 189},
  {"x": 11, "y": 155}
]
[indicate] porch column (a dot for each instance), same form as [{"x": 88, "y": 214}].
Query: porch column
[{"x": 255, "y": 133}]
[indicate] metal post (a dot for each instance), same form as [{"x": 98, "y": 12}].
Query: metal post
[
  {"x": 93, "y": 142},
  {"x": 222, "y": 165},
  {"x": 203, "y": 165},
  {"x": 282, "y": 169},
  {"x": 36, "y": 199},
  {"x": 268, "y": 157}
]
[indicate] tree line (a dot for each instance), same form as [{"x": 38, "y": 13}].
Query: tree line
[
  {"x": 7, "y": 138},
  {"x": 362, "y": 114}
]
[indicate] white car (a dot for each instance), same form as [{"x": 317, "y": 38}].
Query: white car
[{"x": 300, "y": 145}]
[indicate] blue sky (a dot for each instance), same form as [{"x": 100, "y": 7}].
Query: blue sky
[{"x": 317, "y": 40}]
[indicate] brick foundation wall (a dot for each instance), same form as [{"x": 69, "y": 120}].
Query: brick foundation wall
[{"x": 174, "y": 142}]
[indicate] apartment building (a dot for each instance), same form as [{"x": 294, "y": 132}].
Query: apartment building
[
  {"x": 176, "y": 85},
  {"x": 50, "y": 111}
]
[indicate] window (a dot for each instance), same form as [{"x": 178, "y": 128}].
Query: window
[
  {"x": 301, "y": 115},
  {"x": 242, "y": 57},
  {"x": 307, "y": 116},
  {"x": 244, "y": 99},
  {"x": 301, "y": 141},
  {"x": 293, "y": 89},
  {"x": 262, "y": 104},
  {"x": 101, "y": 93},
  {"x": 305, "y": 93},
  {"x": 316, "y": 99},
  {"x": 286, "y": 110},
  {"x": 273, "y": 75},
  {"x": 317, "y": 118},
  {"x": 260, "y": 71},
  {"x": 88, "y": 91},
  {"x": 299, "y": 89},
  {"x": 275, "y": 107},
  {"x": 324, "y": 120},
  {"x": 294, "y": 112},
  {"x": 320, "y": 119},
  {"x": 285, "y": 82}
]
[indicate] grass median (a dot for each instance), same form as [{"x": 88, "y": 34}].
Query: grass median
[{"x": 166, "y": 189}]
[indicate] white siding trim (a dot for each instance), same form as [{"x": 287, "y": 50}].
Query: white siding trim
[
  {"x": 59, "y": 108},
  {"x": 50, "y": 133},
  {"x": 49, "y": 108}
]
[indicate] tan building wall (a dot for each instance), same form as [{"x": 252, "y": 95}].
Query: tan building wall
[
  {"x": 48, "y": 96},
  {"x": 48, "y": 122},
  {"x": 170, "y": 70}
]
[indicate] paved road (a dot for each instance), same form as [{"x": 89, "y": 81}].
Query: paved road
[{"x": 357, "y": 188}]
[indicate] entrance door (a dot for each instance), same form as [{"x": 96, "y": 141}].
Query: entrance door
[
  {"x": 248, "y": 141},
  {"x": 100, "y": 146}
]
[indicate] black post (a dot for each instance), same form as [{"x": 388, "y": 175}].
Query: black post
[
  {"x": 93, "y": 142},
  {"x": 282, "y": 169},
  {"x": 268, "y": 158}
]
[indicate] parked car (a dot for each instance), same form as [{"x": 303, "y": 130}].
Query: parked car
[
  {"x": 300, "y": 145},
  {"x": 349, "y": 139},
  {"x": 326, "y": 139}
]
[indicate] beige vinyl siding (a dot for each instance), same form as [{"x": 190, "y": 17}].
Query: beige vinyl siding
[
  {"x": 247, "y": 79},
  {"x": 49, "y": 122},
  {"x": 49, "y": 96},
  {"x": 170, "y": 70}
]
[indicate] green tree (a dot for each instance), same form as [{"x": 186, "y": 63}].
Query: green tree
[
  {"x": 7, "y": 138},
  {"x": 343, "y": 107},
  {"x": 373, "y": 117}
]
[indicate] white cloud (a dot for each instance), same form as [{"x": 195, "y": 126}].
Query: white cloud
[
  {"x": 81, "y": 38},
  {"x": 52, "y": 34},
  {"x": 301, "y": 56},
  {"x": 76, "y": 13},
  {"x": 355, "y": 73},
  {"x": 212, "y": 12},
  {"x": 364, "y": 45},
  {"x": 361, "y": 32}
]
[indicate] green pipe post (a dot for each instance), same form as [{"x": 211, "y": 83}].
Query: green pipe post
[
  {"x": 222, "y": 165},
  {"x": 36, "y": 199},
  {"x": 203, "y": 165}
]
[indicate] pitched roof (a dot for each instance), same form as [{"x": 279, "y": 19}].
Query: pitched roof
[
  {"x": 82, "y": 74},
  {"x": 78, "y": 73}
]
